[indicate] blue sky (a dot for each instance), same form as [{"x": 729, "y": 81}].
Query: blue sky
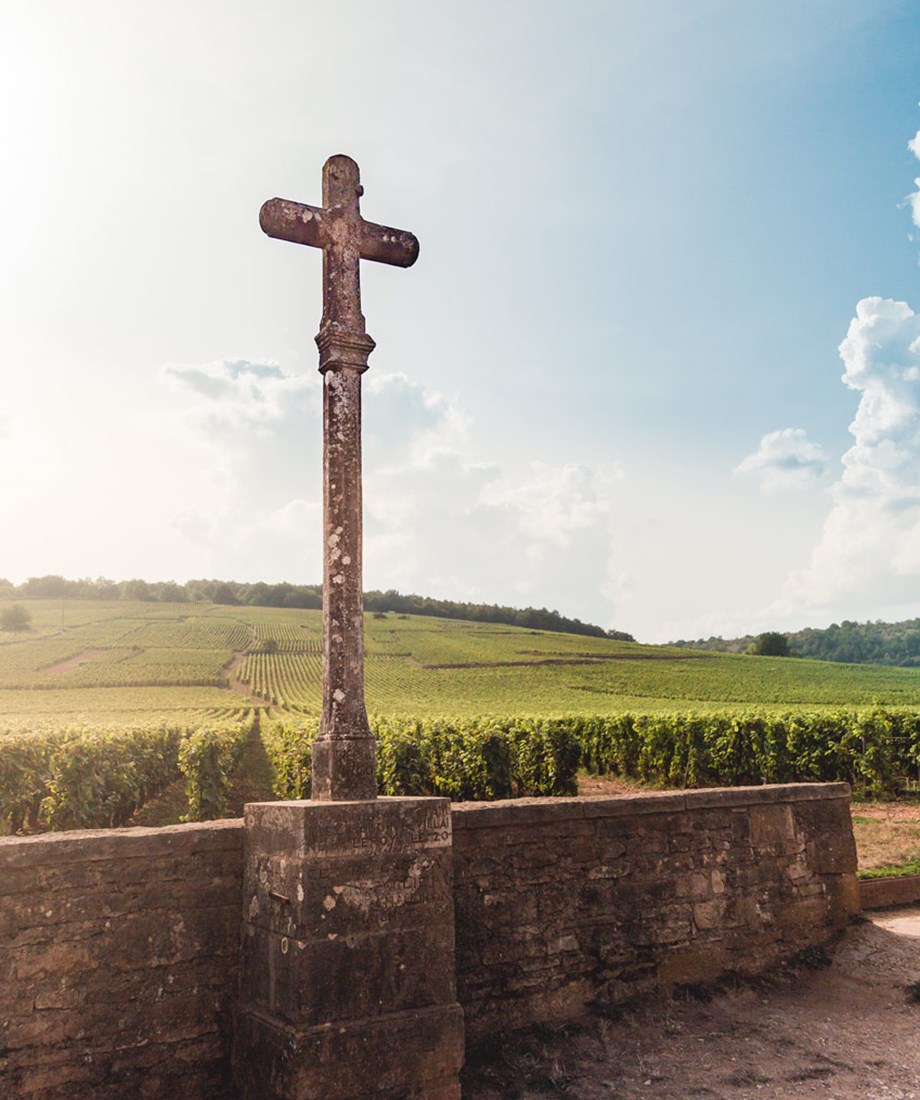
[{"x": 610, "y": 385}]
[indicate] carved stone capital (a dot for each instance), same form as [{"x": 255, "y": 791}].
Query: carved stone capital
[{"x": 341, "y": 349}]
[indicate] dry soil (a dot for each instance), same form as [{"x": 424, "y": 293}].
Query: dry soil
[{"x": 844, "y": 1026}]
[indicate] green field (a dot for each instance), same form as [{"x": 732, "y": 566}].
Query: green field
[
  {"x": 115, "y": 712},
  {"x": 110, "y": 659}
]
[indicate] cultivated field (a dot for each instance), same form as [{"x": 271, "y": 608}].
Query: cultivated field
[
  {"x": 110, "y": 676},
  {"x": 98, "y": 657},
  {"x": 419, "y": 667}
]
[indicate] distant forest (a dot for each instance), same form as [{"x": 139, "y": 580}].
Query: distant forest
[
  {"x": 870, "y": 643},
  {"x": 295, "y": 595}
]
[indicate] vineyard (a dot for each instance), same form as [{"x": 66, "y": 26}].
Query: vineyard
[
  {"x": 419, "y": 667},
  {"x": 102, "y": 703},
  {"x": 77, "y": 776},
  {"x": 492, "y": 757}
]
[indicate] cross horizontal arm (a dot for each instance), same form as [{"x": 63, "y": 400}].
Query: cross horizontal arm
[
  {"x": 398, "y": 247},
  {"x": 311, "y": 225},
  {"x": 293, "y": 221}
]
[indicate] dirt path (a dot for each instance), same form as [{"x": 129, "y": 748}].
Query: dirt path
[
  {"x": 237, "y": 685},
  {"x": 252, "y": 781},
  {"x": 888, "y": 811},
  {"x": 847, "y": 1031},
  {"x": 74, "y": 662}
]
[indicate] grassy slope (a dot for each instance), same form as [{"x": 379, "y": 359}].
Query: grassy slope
[{"x": 116, "y": 657}]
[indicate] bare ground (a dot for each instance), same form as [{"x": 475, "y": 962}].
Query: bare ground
[
  {"x": 845, "y": 1027},
  {"x": 237, "y": 685},
  {"x": 887, "y": 833},
  {"x": 61, "y": 667}
]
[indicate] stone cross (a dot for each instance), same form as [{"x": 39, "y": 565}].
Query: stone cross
[{"x": 343, "y": 753}]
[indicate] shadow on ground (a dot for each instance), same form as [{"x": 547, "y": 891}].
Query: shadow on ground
[{"x": 844, "y": 1026}]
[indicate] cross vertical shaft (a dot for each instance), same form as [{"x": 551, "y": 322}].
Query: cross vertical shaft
[
  {"x": 343, "y": 754},
  {"x": 341, "y": 277}
]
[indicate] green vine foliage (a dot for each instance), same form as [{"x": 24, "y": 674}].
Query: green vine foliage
[
  {"x": 494, "y": 758},
  {"x": 870, "y": 749},
  {"x": 208, "y": 757},
  {"x": 25, "y": 771},
  {"x": 470, "y": 759},
  {"x": 289, "y": 746},
  {"x": 79, "y": 777}
]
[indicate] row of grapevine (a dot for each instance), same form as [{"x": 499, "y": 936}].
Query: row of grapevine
[
  {"x": 290, "y": 637},
  {"x": 289, "y": 745},
  {"x": 462, "y": 760},
  {"x": 208, "y": 757},
  {"x": 491, "y": 758},
  {"x": 870, "y": 749},
  {"x": 477, "y": 759},
  {"x": 283, "y": 679},
  {"x": 122, "y": 668},
  {"x": 192, "y": 633},
  {"x": 78, "y": 777}
]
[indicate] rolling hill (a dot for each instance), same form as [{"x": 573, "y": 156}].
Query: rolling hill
[{"x": 92, "y": 658}]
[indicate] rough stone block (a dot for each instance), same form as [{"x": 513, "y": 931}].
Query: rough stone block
[
  {"x": 413, "y": 1055},
  {"x": 348, "y": 937},
  {"x": 119, "y": 962},
  {"x": 877, "y": 893},
  {"x": 388, "y": 970}
]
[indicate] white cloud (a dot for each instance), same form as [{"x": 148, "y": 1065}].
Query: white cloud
[
  {"x": 259, "y": 429},
  {"x": 442, "y": 523},
  {"x": 555, "y": 504},
  {"x": 405, "y": 423},
  {"x": 868, "y": 554},
  {"x": 236, "y": 394},
  {"x": 438, "y": 519},
  {"x": 786, "y": 459},
  {"x": 914, "y": 197}
]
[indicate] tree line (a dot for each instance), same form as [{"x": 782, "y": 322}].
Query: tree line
[
  {"x": 871, "y": 643},
  {"x": 306, "y": 596}
]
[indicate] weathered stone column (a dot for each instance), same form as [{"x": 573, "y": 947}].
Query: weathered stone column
[
  {"x": 347, "y": 965},
  {"x": 343, "y": 755}
]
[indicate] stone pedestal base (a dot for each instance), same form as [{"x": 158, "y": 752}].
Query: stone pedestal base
[
  {"x": 413, "y": 1055},
  {"x": 347, "y": 967}
]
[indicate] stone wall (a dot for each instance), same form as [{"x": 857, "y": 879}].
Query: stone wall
[
  {"x": 581, "y": 902},
  {"x": 118, "y": 962},
  {"x": 879, "y": 893},
  {"x": 119, "y": 949}
]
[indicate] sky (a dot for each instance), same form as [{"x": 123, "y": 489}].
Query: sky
[{"x": 658, "y": 363}]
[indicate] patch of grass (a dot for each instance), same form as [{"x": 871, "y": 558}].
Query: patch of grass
[
  {"x": 910, "y": 867},
  {"x": 889, "y": 844}
]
